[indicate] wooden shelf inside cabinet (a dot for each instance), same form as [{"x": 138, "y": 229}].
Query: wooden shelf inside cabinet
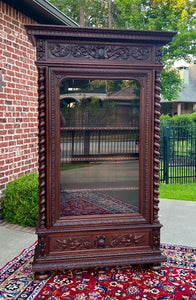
[
  {"x": 133, "y": 188},
  {"x": 87, "y": 144},
  {"x": 99, "y": 94},
  {"x": 122, "y": 128}
]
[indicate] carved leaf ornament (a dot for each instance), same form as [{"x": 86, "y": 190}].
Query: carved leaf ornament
[
  {"x": 99, "y": 52},
  {"x": 125, "y": 240}
]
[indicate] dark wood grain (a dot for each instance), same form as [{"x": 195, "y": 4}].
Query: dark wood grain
[{"x": 87, "y": 53}]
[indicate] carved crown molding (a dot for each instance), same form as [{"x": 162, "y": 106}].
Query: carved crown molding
[
  {"x": 78, "y": 51},
  {"x": 103, "y": 52}
]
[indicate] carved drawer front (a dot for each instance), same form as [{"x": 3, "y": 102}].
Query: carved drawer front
[{"x": 111, "y": 241}]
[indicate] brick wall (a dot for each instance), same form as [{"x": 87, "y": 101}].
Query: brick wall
[{"x": 18, "y": 97}]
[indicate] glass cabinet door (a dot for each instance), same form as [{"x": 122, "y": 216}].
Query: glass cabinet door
[{"x": 99, "y": 147}]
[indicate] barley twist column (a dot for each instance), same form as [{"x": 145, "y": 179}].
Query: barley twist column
[
  {"x": 156, "y": 146},
  {"x": 42, "y": 147}
]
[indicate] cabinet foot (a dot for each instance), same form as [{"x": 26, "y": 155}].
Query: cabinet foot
[
  {"x": 42, "y": 275},
  {"x": 156, "y": 267}
]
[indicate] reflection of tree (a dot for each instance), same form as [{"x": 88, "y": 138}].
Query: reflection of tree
[
  {"x": 99, "y": 102},
  {"x": 112, "y": 86},
  {"x": 66, "y": 108},
  {"x": 97, "y": 84},
  {"x": 104, "y": 86},
  {"x": 136, "y": 102},
  {"x": 95, "y": 111}
]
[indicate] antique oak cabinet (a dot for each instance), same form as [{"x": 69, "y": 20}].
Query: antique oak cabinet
[{"x": 99, "y": 94}]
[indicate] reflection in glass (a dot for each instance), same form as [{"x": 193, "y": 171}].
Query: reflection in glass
[{"x": 99, "y": 142}]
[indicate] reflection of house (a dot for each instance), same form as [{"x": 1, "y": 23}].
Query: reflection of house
[
  {"x": 18, "y": 84},
  {"x": 186, "y": 102},
  {"x": 77, "y": 96},
  {"x": 92, "y": 106},
  {"x": 73, "y": 90},
  {"x": 128, "y": 104},
  {"x": 125, "y": 95}
]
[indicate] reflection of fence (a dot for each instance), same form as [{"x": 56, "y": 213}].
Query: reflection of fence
[
  {"x": 97, "y": 143},
  {"x": 178, "y": 153}
]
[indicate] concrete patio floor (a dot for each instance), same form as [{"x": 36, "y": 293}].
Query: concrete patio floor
[{"x": 177, "y": 217}]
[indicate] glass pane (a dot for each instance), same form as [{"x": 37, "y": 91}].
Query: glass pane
[{"x": 99, "y": 142}]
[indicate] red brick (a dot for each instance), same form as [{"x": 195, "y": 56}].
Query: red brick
[
  {"x": 3, "y": 132},
  {"x": 17, "y": 159},
  {"x": 2, "y": 164},
  {"x": 6, "y": 54},
  {"x": 20, "y": 142},
  {"x": 10, "y": 172},
  {"x": 8, "y": 90},
  {"x": 4, "y": 144},
  {"x": 9, "y": 126},
  {"x": 12, "y": 143},
  {"x": 10, "y": 131},
  {"x": 4, "y": 180},
  {"x": 18, "y": 98}
]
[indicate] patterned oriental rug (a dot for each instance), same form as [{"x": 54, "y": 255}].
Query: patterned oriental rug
[
  {"x": 176, "y": 280},
  {"x": 77, "y": 203}
]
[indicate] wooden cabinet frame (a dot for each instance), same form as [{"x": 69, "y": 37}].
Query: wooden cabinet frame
[{"x": 89, "y": 53}]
